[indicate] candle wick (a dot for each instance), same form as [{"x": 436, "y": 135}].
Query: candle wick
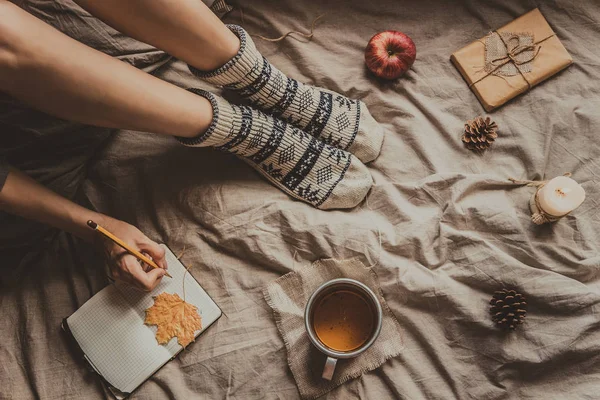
[{"x": 562, "y": 192}]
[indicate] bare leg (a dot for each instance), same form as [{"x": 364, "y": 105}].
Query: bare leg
[
  {"x": 187, "y": 29},
  {"x": 58, "y": 75}
]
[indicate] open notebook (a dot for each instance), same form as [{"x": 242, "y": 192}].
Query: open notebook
[{"x": 109, "y": 328}]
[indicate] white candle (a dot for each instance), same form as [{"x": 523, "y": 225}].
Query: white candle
[{"x": 560, "y": 196}]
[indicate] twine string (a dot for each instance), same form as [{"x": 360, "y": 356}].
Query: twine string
[
  {"x": 378, "y": 259},
  {"x": 527, "y": 182},
  {"x": 304, "y": 35},
  {"x": 511, "y": 54},
  {"x": 373, "y": 264}
]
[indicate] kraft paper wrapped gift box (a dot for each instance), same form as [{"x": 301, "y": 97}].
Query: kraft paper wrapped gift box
[{"x": 511, "y": 60}]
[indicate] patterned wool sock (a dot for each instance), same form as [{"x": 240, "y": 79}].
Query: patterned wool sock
[
  {"x": 328, "y": 116},
  {"x": 300, "y": 165}
]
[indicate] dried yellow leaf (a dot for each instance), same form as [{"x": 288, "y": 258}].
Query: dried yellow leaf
[{"x": 173, "y": 317}]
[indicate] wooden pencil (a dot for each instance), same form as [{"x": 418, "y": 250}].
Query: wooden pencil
[{"x": 124, "y": 245}]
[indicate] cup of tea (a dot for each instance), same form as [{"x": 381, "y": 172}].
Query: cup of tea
[{"x": 343, "y": 319}]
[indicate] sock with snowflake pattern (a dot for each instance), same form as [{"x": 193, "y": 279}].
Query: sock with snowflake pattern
[
  {"x": 297, "y": 163},
  {"x": 326, "y": 115}
]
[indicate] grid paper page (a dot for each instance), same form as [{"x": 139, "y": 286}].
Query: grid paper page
[
  {"x": 110, "y": 330},
  {"x": 114, "y": 338},
  {"x": 194, "y": 294}
]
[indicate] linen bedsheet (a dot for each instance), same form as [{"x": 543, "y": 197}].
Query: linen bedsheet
[{"x": 442, "y": 226}]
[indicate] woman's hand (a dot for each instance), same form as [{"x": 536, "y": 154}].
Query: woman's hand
[
  {"x": 23, "y": 196},
  {"x": 125, "y": 267}
]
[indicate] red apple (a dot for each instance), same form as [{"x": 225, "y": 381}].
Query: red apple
[{"x": 390, "y": 54}]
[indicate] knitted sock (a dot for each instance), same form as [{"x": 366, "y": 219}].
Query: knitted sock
[
  {"x": 328, "y": 116},
  {"x": 300, "y": 165}
]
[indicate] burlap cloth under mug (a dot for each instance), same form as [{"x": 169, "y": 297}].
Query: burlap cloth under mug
[{"x": 287, "y": 296}]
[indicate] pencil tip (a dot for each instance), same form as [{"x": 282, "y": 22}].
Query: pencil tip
[{"x": 92, "y": 224}]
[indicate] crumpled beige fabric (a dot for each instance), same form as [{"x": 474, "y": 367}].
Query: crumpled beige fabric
[
  {"x": 452, "y": 228},
  {"x": 287, "y": 296}
]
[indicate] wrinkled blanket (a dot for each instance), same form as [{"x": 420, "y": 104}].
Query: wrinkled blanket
[{"x": 443, "y": 226}]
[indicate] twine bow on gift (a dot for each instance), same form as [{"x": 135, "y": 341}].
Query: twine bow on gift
[
  {"x": 518, "y": 50},
  {"x": 513, "y": 52}
]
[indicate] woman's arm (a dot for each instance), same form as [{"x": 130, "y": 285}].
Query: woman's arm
[
  {"x": 54, "y": 73},
  {"x": 23, "y": 196}
]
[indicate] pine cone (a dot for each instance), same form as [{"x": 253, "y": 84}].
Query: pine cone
[
  {"x": 508, "y": 308},
  {"x": 480, "y": 133}
]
